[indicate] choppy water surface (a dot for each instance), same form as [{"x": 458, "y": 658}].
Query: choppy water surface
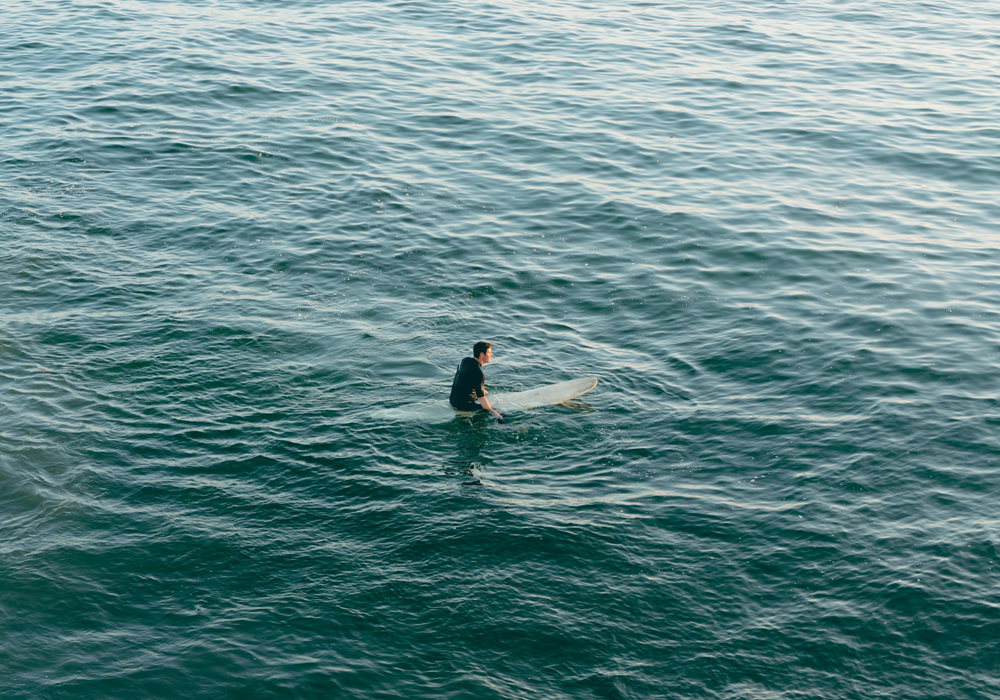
[{"x": 231, "y": 233}]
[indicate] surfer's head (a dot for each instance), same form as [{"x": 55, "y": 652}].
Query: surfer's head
[{"x": 482, "y": 351}]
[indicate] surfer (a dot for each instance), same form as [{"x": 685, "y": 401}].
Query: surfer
[{"x": 468, "y": 389}]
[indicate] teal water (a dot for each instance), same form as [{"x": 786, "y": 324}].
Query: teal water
[{"x": 232, "y": 232}]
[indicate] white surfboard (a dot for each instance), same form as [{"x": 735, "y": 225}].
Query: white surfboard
[{"x": 441, "y": 411}]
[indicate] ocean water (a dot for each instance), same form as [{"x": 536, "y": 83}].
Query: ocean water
[{"x": 233, "y": 232}]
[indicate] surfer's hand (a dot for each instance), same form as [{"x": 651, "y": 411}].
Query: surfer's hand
[{"x": 498, "y": 416}]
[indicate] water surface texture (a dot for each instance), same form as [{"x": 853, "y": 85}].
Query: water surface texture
[{"x": 231, "y": 233}]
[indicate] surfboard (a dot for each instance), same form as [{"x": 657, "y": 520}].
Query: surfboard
[{"x": 441, "y": 411}]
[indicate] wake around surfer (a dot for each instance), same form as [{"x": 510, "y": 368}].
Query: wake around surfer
[{"x": 468, "y": 389}]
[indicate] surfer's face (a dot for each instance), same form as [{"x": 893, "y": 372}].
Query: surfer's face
[{"x": 485, "y": 357}]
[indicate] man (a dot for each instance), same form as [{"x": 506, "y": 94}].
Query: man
[{"x": 468, "y": 389}]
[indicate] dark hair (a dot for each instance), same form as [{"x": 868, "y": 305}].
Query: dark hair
[{"x": 480, "y": 347}]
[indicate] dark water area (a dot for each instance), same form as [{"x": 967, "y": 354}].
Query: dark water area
[{"x": 232, "y": 233}]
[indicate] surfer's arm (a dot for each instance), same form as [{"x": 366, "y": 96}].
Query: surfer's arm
[{"x": 485, "y": 403}]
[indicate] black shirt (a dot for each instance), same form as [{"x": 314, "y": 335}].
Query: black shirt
[{"x": 468, "y": 385}]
